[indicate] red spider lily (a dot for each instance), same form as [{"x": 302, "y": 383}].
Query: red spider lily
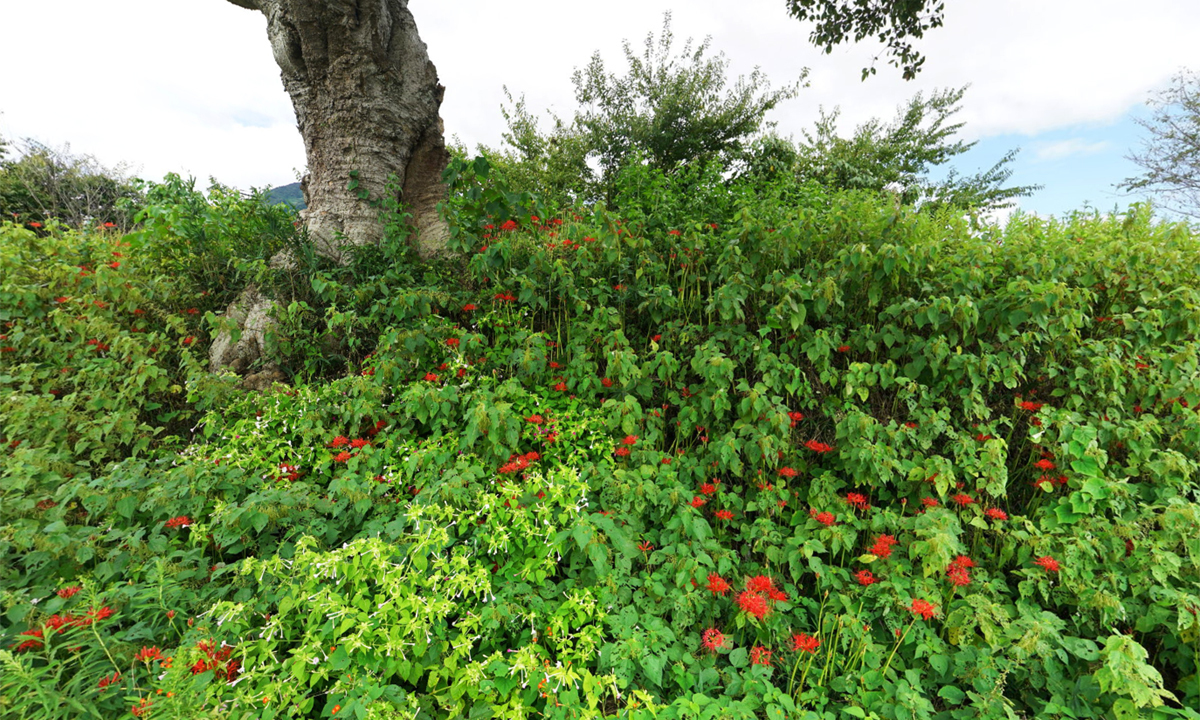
[
  {"x": 962, "y": 561},
  {"x": 179, "y": 522},
  {"x": 69, "y": 592},
  {"x": 469, "y": 307},
  {"x": 621, "y": 452},
  {"x": 882, "y": 548},
  {"x": 825, "y": 518},
  {"x": 865, "y": 577},
  {"x": 795, "y": 417},
  {"x": 924, "y": 609},
  {"x": 1031, "y": 406},
  {"x": 339, "y": 441},
  {"x": 929, "y": 502},
  {"x": 656, "y": 338},
  {"x": 359, "y": 443},
  {"x": 343, "y": 456},
  {"x": 509, "y": 225},
  {"x": 818, "y": 447},
  {"x": 607, "y": 382},
  {"x": 996, "y": 514},
  {"x": 843, "y": 348},
  {"x": 431, "y": 377},
  {"x": 630, "y": 440},
  {"x": 560, "y": 387},
  {"x": 713, "y": 639},
  {"x": 753, "y": 604},
  {"x": 858, "y": 501},
  {"x": 35, "y": 224},
  {"x": 717, "y": 584},
  {"x": 1044, "y": 464},
  {"x": 673, "y": 232},
  {"x": 708, "y": 489},
  {"x": 535, "y": 419},
  {"x": 724, "y": 515},
  {"x": 958, "y": 575},
  {"x": 1047, "y": 562},
  {"x": 787, "y": 472},
  {"x": 760, "y": 656},
  {"x": 963, "y": 500},
  {"x": 803, "y": 642},
  {"x": 452, "y": 342},
  {"x": 697, "y": 502}
]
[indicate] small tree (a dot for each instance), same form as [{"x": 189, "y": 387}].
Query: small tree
[
  {"x": 1170, "y": 156},
  {"x": 44, "y": 183},
  {"x": 668, "y": 109},
  {"x": 899, "y": 157},
  {"x": 892, "y": 21}
]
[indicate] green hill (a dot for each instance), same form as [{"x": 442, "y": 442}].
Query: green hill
[{"x": 287, "y": 194}]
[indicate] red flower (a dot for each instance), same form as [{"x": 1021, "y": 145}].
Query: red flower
[
  {"x": 452, "y": 342},
  {"x": 343, "y": 456},
  {"x": 818, "y": 447},
  {"x": 708, "y": 489},
  {"x": 803, "y": 642},
  {"x": 865, "y": 577},
  {"x": 962, "y": 561},
  {"x": 115, "y": 264},
  {"x": 622, "y": 452},
  {"x": 186, "y": 341},
  {"x": 858, "y": 500},
  {"x": 787, "y": 472},
  {"x": 656, "y": 338},
  {"x": 1049, "y": 563},
  {"x": 192, "y": 311},
  {"x": 645, "y": 546},
  {"x": 724, "y": 515},
  {"x": 69, "y": 592},
  {"x": 431, "y": 377},
  {"x": 753, "y": 604},
  {"x": 959, "y": 577},
  {"x": 359, "y": 443},
  {"x": 561, "y": 387},
  {"x": 697, "y": 501},
  {"x": 110, "y": 680},
  {"x": 673, "y": 232},
  {"x": 923, "y": 608},
  {"x": 35, "y": 224},
  {"x": 179, "y": 522},
  {"x": 62, "y": 299},
  {"x": 843, "y": 348},
  {"x": 929, "y": 502},
  {"x": 509, "y": 225},
  {"x": 760, "y": 656},
  {"x": 717, "y": 584},
  {"x": 712, "y": 639},
  {"x": 1044, "y": 464},
  {"x": 795, "y": 417},
  {"x": 606, "y": 382},
  {"x": 148, "y": 654},
  {"x": 339, "y": 441},
  {"x": 825, "y": 518},
  {"x": 630, "y": 440},
  {"x": 469, "y": 307},
  {"x": 996, "y": 514},
  {"x": 1031, "y": 406},
  {"x": 535, "y": 419},
  {"x": 963, "y": 500}
]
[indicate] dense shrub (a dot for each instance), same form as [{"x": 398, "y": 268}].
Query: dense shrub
[{"x": 821, "y": 458}]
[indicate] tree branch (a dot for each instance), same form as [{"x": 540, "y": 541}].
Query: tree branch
[{"x": 248, "y": 4}]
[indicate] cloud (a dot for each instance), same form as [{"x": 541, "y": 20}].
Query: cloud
[{"x": 1046, "y": 151}]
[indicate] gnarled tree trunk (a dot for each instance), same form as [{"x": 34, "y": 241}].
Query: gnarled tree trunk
[{"x": 366, "y": 98}]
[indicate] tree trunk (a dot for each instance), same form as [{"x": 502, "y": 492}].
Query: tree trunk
[{"x": 366, "y": 97}]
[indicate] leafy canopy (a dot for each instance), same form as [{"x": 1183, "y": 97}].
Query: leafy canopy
[
  {"x": 1170, "y": 155},
  {"x": 894, "y": 22}
]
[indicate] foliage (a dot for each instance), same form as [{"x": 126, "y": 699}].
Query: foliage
[
  {"x": 45, "y": 183},
  {"x": 893, "y": 21},
  {"x": 669, "y": 110},
  {"x": 827, "y": 457},
  {"x": 1170, "y": 156},
  {"x": 900, "y": 156}
]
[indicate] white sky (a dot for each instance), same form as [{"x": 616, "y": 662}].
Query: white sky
[{"x": 190, "y": 85}]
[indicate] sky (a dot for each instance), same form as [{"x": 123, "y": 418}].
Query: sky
[{"x": 190, "y": 86}]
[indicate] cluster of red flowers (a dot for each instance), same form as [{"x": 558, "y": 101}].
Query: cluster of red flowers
[
  {"x": 760, "y": 656},
  {"x": 181, "y": 521},
  {"x": 795, "y": 417},
  {"x": 760, "y": 592},
  {"x": 69, "y": 592},
  {"x": 929, "y": 502},
  {"x": 504, "y": 297},
  {"x": 1047, "y": 562},
  {"x": 963, "y": 500},
  {"x": 996, "y": 514},
  {"x": 453, "y": 342},
  {"x": 959, "y": 571},
  {"x": 58, "y": 622},
  {"x": 724, "y": 515},
  {"x": 787, "y": 472},
  {"x": 818, "y": 447},
  {"x": 709, "y": 488},
  {"x": 697, "y": 501},
  {"x": 825, "y": 518},
  {"x": 148, "y": 654},
  {"x": 717, "y": 584},
  {"x": 858, "y": 501},
  {"x": 287, "y": 472},
  {"x": 865, "y": 577},
  {"x": 883, "y": 546},
  {"x": 1031, "y": 406},
  {"x": 100, "y": 347},
  {"x": 517, "y": 463},
  {"x": 924, "y": 609},
  {"x": 217, "y": 660},
  {"x": 803, "y": 642},
  {"x": 713, "y": 639}
]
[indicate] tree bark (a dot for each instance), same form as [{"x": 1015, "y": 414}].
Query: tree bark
[{"x": 366, "y": 97}]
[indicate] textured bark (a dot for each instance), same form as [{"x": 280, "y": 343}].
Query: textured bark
[{"x": 366, "y": 97}]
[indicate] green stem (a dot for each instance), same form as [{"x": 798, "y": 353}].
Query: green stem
[{"x": 899, "y": 642}]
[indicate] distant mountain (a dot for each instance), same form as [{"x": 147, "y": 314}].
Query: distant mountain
[{"x": 289, "y": 194}]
